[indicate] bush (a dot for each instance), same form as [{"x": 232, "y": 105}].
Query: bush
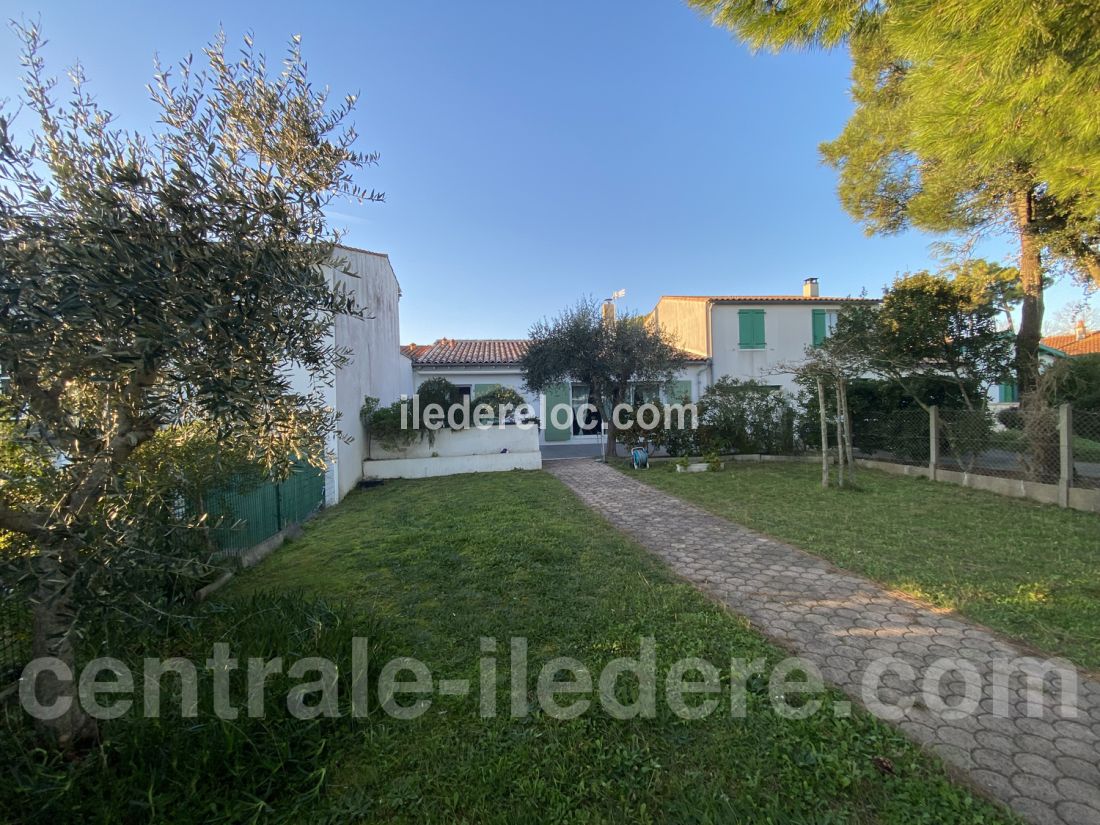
[
  {"x": 383, "y": 426},
  {"x": 442, "y": 392},
  {"x": 746, "y": 417},
  {"x": 675, "y": 440},
  {"x": 1080, "y": 382},
  {"x": 884, "y": 416},
  {"x": 500, "y": 397},
  {"x": 204, "y": 769},
  {"x": 1011, "y": 419}
]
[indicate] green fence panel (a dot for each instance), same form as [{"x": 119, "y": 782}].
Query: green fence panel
[{"x": 242, "y": 518}]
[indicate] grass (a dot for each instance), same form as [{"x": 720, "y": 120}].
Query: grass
[
  {"x": 1029, "y": 570},
  {"x": 440, "y": 563}
]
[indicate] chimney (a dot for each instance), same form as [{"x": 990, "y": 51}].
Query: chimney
[
  {"x": 1081, "y": 335},
  {"x": 809, "y": 288}
]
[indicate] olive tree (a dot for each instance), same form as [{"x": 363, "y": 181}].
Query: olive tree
[
  {"x": 606, "y": 352},
  {"x": 153, "y": 279}
]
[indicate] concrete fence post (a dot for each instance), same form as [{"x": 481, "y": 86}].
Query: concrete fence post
[
  {"x": 1065, "y": 453},
  {"x": 933, "y": 441}
]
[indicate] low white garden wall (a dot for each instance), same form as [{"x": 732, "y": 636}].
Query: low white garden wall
[{"x": 459, "y": 451}]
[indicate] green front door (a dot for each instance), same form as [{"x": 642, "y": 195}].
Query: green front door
[{"x": 555, "y": 395}]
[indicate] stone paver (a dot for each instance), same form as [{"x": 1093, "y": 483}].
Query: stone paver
[{"x": 1041, "y": 761}]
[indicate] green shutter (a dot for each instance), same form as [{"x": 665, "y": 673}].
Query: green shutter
[
  {"x": 557, "y": 394},
  {"x": 751, "y": 328},
  {"x": 678, "y": 391},
  {"x": 1008, "y": 392},
  {"x": 819, "y": 327},
  {"x": 481, "y": 389}
]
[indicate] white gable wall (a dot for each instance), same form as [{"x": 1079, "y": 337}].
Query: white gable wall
[
  {"x": 376, "y": 366},
  {"x": 788, "y": 330}
]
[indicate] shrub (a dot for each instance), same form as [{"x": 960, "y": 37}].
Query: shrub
[
  {"x": 442, "y": 392},
  {"x": 498, "y": 397},
  {"x": 384, "y": 427},
  {"x": 675, "y": 440},
  {"x": 883, "y": 414},
  {"x": 1080, "y": 382},
  {"x": 1011, "y": 418},
  {"x": 746, "y": 417}
]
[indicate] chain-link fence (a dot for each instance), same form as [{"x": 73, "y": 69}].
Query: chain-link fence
[
  {"x": 975, "y": 442},
  {"x": 1016, "y": 444},
  {"x": 900, "y": 436},
  {"x": 1086, "y": 448}
]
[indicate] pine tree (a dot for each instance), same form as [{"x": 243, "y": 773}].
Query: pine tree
[{"x": 971, "y": 116}]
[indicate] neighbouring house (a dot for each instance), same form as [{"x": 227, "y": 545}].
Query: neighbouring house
[
  {"x": 375, "y": 367},
  {"x": 1077, "y": 343},
  {"x": 750, "y": 336},
  {"x": 476, "y": 366},
  {"x": 1007, "y": 394},
  {"x": 1074, "y": 344}
]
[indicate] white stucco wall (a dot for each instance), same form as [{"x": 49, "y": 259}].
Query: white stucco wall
[
  {"x": 472, "y": 441},
  {"x": 460, "y": 451},
  {"x": 788, "y": 330},
  {"x": 375, "y": 367}
]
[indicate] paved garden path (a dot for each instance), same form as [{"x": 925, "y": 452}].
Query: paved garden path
[{"x": 1044, "y": 767}]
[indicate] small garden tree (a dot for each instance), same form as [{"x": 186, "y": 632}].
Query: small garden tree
[
  {"x": 929, "y": 326},
  {"x": 606, "y": 353},
  {"x": 826, "y": 371},
  {"x": 154, "y": 279}
]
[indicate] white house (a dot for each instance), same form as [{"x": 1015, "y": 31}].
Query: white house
[
  {"x": 478, "y": 365},
  {"x": 742, "y": 336},
  {"x": 750, "y": 336},
  {"x": 376, "y": 366}
]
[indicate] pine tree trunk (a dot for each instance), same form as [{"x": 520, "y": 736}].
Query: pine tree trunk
[
  {"x": 1031, "y": 308},
  {"x": 1042, "y": 459},
  {"x": 52, "y": 636}
]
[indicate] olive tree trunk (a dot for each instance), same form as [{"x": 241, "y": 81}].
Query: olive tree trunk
[{"x": 54, "y": 620}]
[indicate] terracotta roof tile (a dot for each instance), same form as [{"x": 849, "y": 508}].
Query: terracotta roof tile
[
  {"x": 472, "y": 351},
  {"x": 770, "y": 299},
  {"x": 1070, "y": 345},
  {"x": 414, "y": 350},
  {"x": 486, "y": 352}
]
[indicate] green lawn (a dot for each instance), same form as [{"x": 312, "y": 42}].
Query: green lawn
[
  {"x": 1029, "y": 570},
  {"x": 438, "y": 563}
]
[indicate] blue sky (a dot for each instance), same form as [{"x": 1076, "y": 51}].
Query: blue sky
[{"x": 534, "y": 154}]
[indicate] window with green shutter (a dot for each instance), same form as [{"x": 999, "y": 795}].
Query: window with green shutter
[
  {"x": 1009, "y": 393},
  {"x": 820, "y": 327},
  {"x": 751, "y": 328}
]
